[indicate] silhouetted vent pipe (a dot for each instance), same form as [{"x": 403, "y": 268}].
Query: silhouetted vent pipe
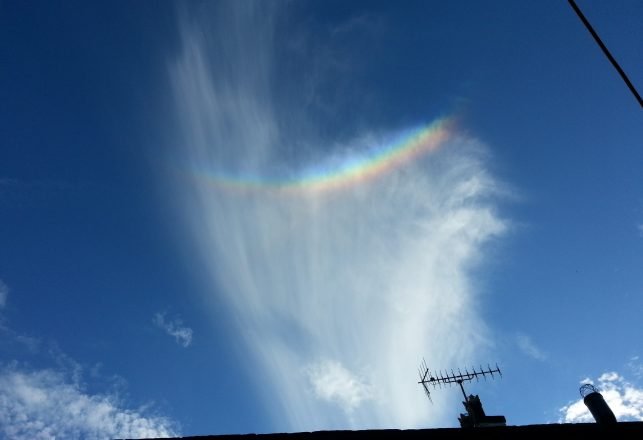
[{"x": 597, "y": 405}]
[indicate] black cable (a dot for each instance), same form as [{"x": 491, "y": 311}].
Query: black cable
[{"x": 606, "y": 52}]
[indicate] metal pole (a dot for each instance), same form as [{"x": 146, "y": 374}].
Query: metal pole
[{"x": 466, "y": 399}]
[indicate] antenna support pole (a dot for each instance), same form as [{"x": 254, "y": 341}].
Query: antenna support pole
[{"x": 466, "y": 399}]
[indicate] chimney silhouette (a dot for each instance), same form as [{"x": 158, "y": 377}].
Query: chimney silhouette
[{"x": 597, "y": 405}]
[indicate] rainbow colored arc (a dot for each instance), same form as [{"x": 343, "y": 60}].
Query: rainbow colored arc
[{"x": 353, "y": 170}]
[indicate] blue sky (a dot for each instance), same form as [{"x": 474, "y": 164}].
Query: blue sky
[{"x": 141, "y": 290}]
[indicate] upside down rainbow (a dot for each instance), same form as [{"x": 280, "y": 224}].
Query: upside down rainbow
[{"x": 353, "y": 170}]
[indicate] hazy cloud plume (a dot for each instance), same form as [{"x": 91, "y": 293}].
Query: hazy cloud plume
[
  {"x": 332, "y": 382},
  {"x": 371, "y": 277}
]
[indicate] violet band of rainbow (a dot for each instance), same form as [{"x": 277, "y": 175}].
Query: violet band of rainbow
[{"x": 379, "y": 161}]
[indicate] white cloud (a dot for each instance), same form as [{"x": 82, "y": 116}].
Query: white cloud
[
  {"x": 375, "y": 274},
  {"x": 334, "y": 383},
  {"x": 624, "y": 398},
  {"x": 636, "y": 367},
  {"x": 610, "y": 376},
  {"x": 52, "y": 403},
  {"x": 44, "y": 405},
  {"x": 639, "y": 227},
  {"x": 4, "y": 292},
  {"x": 528, "y": 347},
  {"x": 174, "y": 328}
]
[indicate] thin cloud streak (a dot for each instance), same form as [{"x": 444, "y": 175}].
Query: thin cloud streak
[
  {"x": 4, "y": 293},
  {"x": 174, "y": 328},
  {"x": 338, "y": 296},
  {"x": 528, "y": 347}
]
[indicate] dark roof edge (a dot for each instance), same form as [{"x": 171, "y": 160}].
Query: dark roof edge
[{"x": 619, "y": 430}]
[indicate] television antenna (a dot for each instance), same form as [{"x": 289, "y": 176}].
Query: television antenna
[{"x": 475, "y": 415}]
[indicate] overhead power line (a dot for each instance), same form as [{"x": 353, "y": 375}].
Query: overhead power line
[{"x": 606, "y": 51}]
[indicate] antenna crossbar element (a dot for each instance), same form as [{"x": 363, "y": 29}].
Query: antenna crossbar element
[
  {"x": 426, "y": 377},
  {"x": 437, "y": 378}
]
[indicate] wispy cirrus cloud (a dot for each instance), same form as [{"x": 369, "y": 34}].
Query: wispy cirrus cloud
[
  {"x": 45, "y": 404},
  {"x": 624, "y": 398},
  {"x": 175, "y": 328},
  {"x": 635, "y": 366},
  {"x": 10, "y": 337},
  {"x": 371, "y": 277},
  {"x": 4, "y": 293},
  {"x": 528, "y": 347}
]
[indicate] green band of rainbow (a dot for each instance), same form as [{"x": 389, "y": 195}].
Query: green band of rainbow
[{"x": 377, "y": 162}]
